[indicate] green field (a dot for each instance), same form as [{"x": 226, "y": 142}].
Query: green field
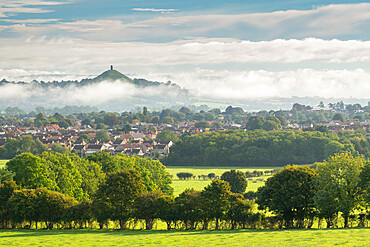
[
  {"x": 180, "y": 185},
  {"x": 2, "y": 163},
  {"x": 304, "y": 237}
]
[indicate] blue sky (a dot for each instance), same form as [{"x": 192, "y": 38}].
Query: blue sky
[{"x": 238, "y": 49}]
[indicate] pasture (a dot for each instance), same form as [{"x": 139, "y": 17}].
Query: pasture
[
  {"x": 198, "y": 184},
  {"x": 2, "y": 163},
  {"x": 303, "y": 237}
]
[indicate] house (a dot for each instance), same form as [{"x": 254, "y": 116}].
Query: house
[
  {"x": 93, "y": 148},
  {"x": 137, "y": 136},
  {"x": 161, "y": 149},
  {"x": 80, "y": 150},
  {"x": 135, "y": 152}
]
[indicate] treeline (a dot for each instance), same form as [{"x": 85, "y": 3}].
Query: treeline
[
  {"x": 264, "y": 148},
  {"x": 266, "y": 120},
  {"x": 335, "y": 192},
  {"x": 79, "y": 178},
  {"x": 27, "y": 144}
]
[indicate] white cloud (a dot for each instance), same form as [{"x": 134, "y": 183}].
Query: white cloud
[
  {"x": 332, "y": 21},
  {"x": 28, "y": 21},
  {"x": 154, "y": 10},
  {"x": 251, "y": 85},
  {"x": 13, "y": 7},
  {"x": 79, "y": 56}
]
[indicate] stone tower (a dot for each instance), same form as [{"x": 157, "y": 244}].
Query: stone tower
[{"x": 111, "y": 67}]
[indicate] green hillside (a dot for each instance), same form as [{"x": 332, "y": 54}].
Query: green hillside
[{"x": 112, "y": 75}]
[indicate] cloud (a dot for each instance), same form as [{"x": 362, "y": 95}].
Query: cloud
[
  {"x": 260, "y": 84},
  {"x": 154, "y": 10},
  {"x": 95, "y": 94},
  {"x": 328, "y": 22},
  {"x": 13, "y": 7},
  {"x": 242, "y": 86},
  {"x": 32, "y": 21},
  {"x": 74, "y": 56}
]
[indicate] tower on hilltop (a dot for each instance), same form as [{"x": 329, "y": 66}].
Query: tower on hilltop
[{"x": 111, "y": 67}]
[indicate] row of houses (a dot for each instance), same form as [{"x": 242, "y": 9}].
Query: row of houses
[{"x": 149, "y": 148}]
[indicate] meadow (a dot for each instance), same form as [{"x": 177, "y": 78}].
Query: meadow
[
  {"x": 302, "y": 237},
  {"x": 180, "y": 185},
  {"x": 2, "y": 163}
]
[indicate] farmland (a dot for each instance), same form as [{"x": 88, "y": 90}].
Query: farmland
[
  {"x": 304, "y": 237},
  {"x": 198, "y": 184}
]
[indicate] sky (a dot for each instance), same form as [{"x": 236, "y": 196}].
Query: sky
[{"x": 236, "y": 49}]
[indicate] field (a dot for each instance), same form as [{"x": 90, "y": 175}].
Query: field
[
  {"x": 2, "y": 163},
  {"x": 304, "y": 237},
  {"x": 180, "y": 185}
]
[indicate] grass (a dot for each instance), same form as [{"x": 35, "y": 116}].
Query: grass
[
  {"x": 304, "y": 237},
  {"x": 2, "y": 163},
  {"x": 180, "y": 185}
]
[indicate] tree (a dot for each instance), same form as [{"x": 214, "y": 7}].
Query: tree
[
  {"x": 148, "y": 206},
  {"x": 289, "y": 193},
  {"x": 202, "y": 125},
  {"x": 254, "y": 122},
  {"x": 145, "y": 111},
  {"x": 365, "y": 183},
  {"x": 5, "y": 175},
  {"x": 270, "y": 125},
  {"x": 31, "y": 172},
  {"x": 215, "y": 200},
  {"x": 338, "y": 176},
  {"x": 58, "y": 148},
  {"x": 339, "y": 117},
  {"x": 110, "y": 120},
  {"x": 84, "y": 137},
  {"x": 188, "y": 208},
  {"x": 167, "y": 135},
  {"x": 102, "y": 135},
  {"x": 7, "y": 189},
  {"x": 116, "y": 196},
  {"x": 237, "y": 180}
]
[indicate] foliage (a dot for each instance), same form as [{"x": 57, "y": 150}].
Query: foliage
[
  {"x": 337, "y": 185},
  {"x": 184, "y": 175},
  {"x": 364, "y": 182},
  {"x": 153, "y": 173},
  {"x": 167, "y": 135},
  {"x": 289, "y": 193},
  {"x": 237, "y": 180},
  {"x": 261, "y": 148},
  {"x": 149, "y": 206},
  {"x": 215, "y": 200},
  {"x": 115, "y": 197},
  {"x": 65, "y": 173}
]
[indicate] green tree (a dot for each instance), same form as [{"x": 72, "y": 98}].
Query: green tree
[
  {"x": 289, "y": 193},
  {"x": 31, "y": 172},
  {"x": 339, "y": 117},
  {"x": 215, "y": 200},
  {"x": 7, "y": 189},
  {"x": 188, "y": 208},
  {"x": 202, "y": 125},
  {"x": 102, "y": 135},
  {"x": 365, "y": 183},
  {"x": 254, "y": 122},
  {"x": 167, "y": 135},
  {"x": 148, "y": 207},
  {"x": 338, "y": 176},
  {"x": 58, "y": 148},
  {"x": 237, "y": 180},
  {"x": 115, "y": 198},
  {"x": 84, "y": 137}
]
